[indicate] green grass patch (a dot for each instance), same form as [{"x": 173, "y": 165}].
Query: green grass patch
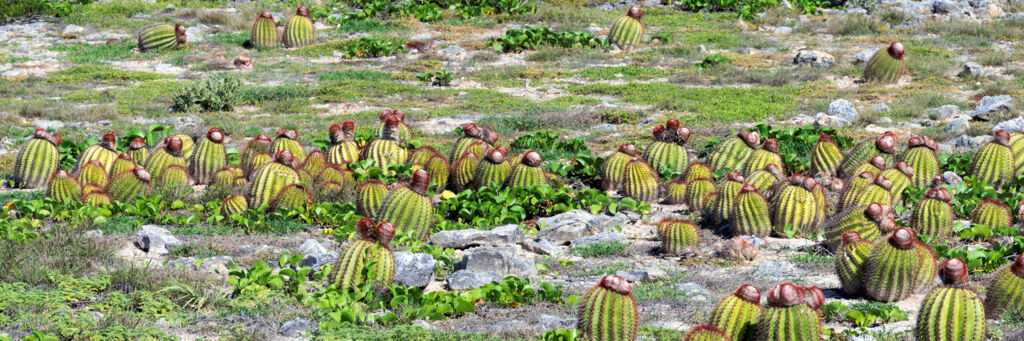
[
  {"x": 668, "y": 18},
  {"x": 812, "y": 258},
  {"x": 370, "y": 26},
  {"x": 115, "y": 13},
  {"x": 195, "y": 250},
  {"x": 82, "y": 53},
  {"x": 600, "y": 249},
  {"x": 100, "y": 73},
  {"x": 608, "y": 269},
  {"x": 713, "y": 39},
  {"x": 119, "y": 225},
  {"x": 353, "y": 74},
  {"x": 623, "y": 72}
]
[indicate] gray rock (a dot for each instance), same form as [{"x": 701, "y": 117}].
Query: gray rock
[
  {"x": 542, "y": 247},
  {"x": 471, "y": 279},
  {"x": 844, "y": 109},
  {"x": 298, "y": 327},
  {"x": 800, "y": 120},
  {"x": 502, "y": 261},
  {"x": 814, "y": 58},
  {"x": 856, "y": 10},
  {"x": 606, "y": 127},
  {"x": 967, "y": 142},
  {"x": 1015, "y": 125},
  {"x": 549, "y": 322},
  {"x": 881, "y": 107},
  {"x": 600, "y": 238},
  {"x": 155, "y": 239},
  {"x": 646, "y": 121},
  {"x": 311, "y": 246},
  {"x": 94, "y": 233},
  {"x": 4, "y": 37},
  {"x": 884, "y": 121},
  {"x": 924, "y": 122},
  {"x": 958, "y": 126},
  {"x": 864, "y": 56},
  {"x": 565, "y": 227},
  {"x": 414, "y": 269},
  {"x": 822, "y": 120},
  {"x": 691, "y": 289},
  {"x": 775, "y": 270},
  {"x": 754, "y": 240},
  {"x": 194, "y": 33},
  {"x": 507, "y": 235},
  {"x": 992, "y": 105},
  {"x": 453, "y": 51},
  {"x": 216, "y": 262},
  {"x": 48, "y": 124},
  {"x": 645, "y": 275},
  {"x": 946, "y": 7},
  {"x": 783, "y": 29},
  {"x": 944, "y": 112},
  {"x": 972, "y": 69},
  {"x": 73, "y": 29},
  {"x": 439, "y": 125},
  {"x": 318, "y": 260}
]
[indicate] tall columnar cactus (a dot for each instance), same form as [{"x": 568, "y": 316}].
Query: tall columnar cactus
[
  {"x": 288, "y": 140},
  {"x": 1006, "y": 292},
  {"x": 63, "y": 187},
  {"x": 270, "y": 178},
  {"x": 608, "y": 311},
  {"x": 722, "y": 205},
  {"x": 173, "y": 176},
  {"x": 492, "y": 170},
  {"x": 343, "y": 144},
  {"x": 788, "y": 316},
  {"x": 233, "y": 204},
  {"x": 209, "y": 156},
  {"x": 994, "y": 162},
  {"x": 298, "y": 29},
  {"x": 461, "y": 177},
  {"x": 372, "y": 247},
  {"x": 952, "y": 311},
  {"x": 264, "y": 31},
  {"x": 369, "y": 196},
  {"x": 768, "y": 154},
  {"x": 705, "y": 333},
  {"x": 475, "y": 139},
  {"x": 527, "y": 172},
  {"x": 697, "y": 171},
  {"x": 409, "y": 208},
  {"x": 388, "y": 149},
  {"x": 138, "y": 150},
  {"x": 170, "y": 154},
  {"x": 699, "y": 194},
  {"x": 933, "y": 215},
  {"x": 161, "y": 37},
  {"x": 403, "y": 133},
  {"x": 92, "y": 173},
  {"x": 766, "y": 178},
  {"x": 258, "y": 145},
  {"x": 886, "y": 66},
  {"x": 920, "y": 156},
  {"x": 826, "y": 155},
  {"x": 105, "y": 152},
  {"x": 675, "y": 192},
  {"x": 640, "y": 182},
  {"x": 869, "y": 221},
  {"x": 627, "y": 30},
  {"x": 733, "y": 153},
  {"x": 898, "y": 267},
  {"x": 992, "y": 213},
  {"x": 796, "y": 208},
  {"x": 667, "y": 150},
  {"x": 38, "y": 159},
  {"x": 879, "y": 190},
  {"x": 750, "y": 214},
  {"x": 884, "y": 145},
  {"x": 292, "y": 196},
  {"x": 900, "y": 175},
  {"x": 736, "y": 315},
  {"x": 130, "y": 185},
  {"x": 874, "y": 165},
  {"x": 677, "y": 236},
  {"x": 122, "y": 163},
  {"x": 613, "y": 168}
]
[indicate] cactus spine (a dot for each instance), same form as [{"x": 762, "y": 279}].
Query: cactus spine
[
  {"x": 795, "y": 207},
  {"x": 315, "y": 162},
  {"x": 129, "y": 185},
  {"x": 750, "y": 214},
  {"x": 850, "y": 259},
  {"x": 640, "y": 182},
  {"x": 369, "y": 196},
  {"x": 343, "y": 144},
  {"x": 675, "y": 192},
  {"x": 627, "y": 30},
  {"x": 869, "y": 221},
  {"x": 264, "y": 31},
  {"x": 409, "y": 208},
  {"x": 463, "y": 171},
  {"x": 138, "y": 150},
  {"x": 699, "y": 194},
  {"x": 92, "y": 173},
  {"x": 884, "y": 146},
  {"x": 613, "y": 169},
  {"x": 667, "y": 150},
  {"x": 270, "y": 178},
  {"x": 733, "y": 153},
  {"x": 898, "y": 267},
  {"x": 933, "y": 215},
  {"x": 826, "y": 155},
  {"x": 705, "y": 333},
  {"x": 63, "y": 187},
  {"x": 991, "y": 213},
  {"x": 736, "y": 315},
  {"x": 886, "y": 66},
  {"x": 952, "y": 311},
  {"x": 232, "y": 205},
  {"x": 209, "y": 156},
  {"x": 527, "y": 172},
  {"x": 677, "y": 236},
  {"x": 789, "y": 316},
  {"x": 372, "y": 246},
  {"x": 1006, "y": 292},
  {"x": 288, "y": 140},
  {"x": 169, "y": 154},
  {"x": 492, "y": 170},
  {"x": 722, "y": 205},
  {"x": 994, "y": 161},
  {"x": 608, "y": 311},
  {"x": 298, "y": 29},
  {"x": 161, "y": 37},
  {"x": 258, "y": 145},
  {"x": 38, "y": 159},
  {"x": 922, "y": 159},
  {"x": 768, "y": 154},
  {"x": 105, "y": 152}
]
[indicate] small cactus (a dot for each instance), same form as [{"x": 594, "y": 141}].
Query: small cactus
[
  {"x": 96, "y": 198},
  {"x": 92, "y": 173},
  {"x": 721, "y": 206},
  {"x": 105, "y": 152},
  {"x": 399, "y": 131},
  {"x": 613, "y": 168},
  {"x": 994, "y": 162},
  {"x": 608, "y": 312},
  {"x": 733, "y": 153},
  {"x": 209, "y": 156},
  {"x": 768, "y": 154},
  {"x": 369, "y": 196},
  {"x": 409, "y": 208},
  {"x": 130, "y": 185},
  {"x": 898, "y": 267},
  {"x": 288, "y": 140},
  {"x": 933, "y": 215},
  {"x": 922, "y": 159},
  {"x": 475, "y": 140},
  {"x": 161, "y": 37},
  {"x": 227, "y": 177},
  {"x": 169, "y": 154},
  {"x": 292, "y": 196},
  {"x": 343, "y": 144},
  {"x": 992, "y": 213},
  {"x": 874, "y": 165},
  {"x": 173, "y": 176},
  {"x": 627, "y": 30},
  {"x": 750, "y": 214},
  {"x": 736, "y": 315},
  {"x": 373, "y": 245},
  {"x": 900, "y": 175},
  {"x": 886, "y": 66},
  {"x": 677, "y": 236},
  {"x": 122, "y": 163},
  {"x": 1006, "y": 292},
  {"x": 492, "y": 170},
  {"x": 850, "y": 259},
  {"x": 388, "y": 149},
  {"x": 258, "y": 145},
  {"x": 675, "y": 192},
  {"x": 766, "y": 178},
  {"x": 63, "y": 187},
  {"x": 878, "y": 191},
  {"x": 884, "y": 145},
  {"x": 527, "y": 172},
  {"x": 699, "y": 194},
  {"x": 788, "y": 316},
  {"x": 869, "y": 221},
  {"x": 826, "y": 155},
  {"x": 697, "y": 171},
  {"x": 952, "y": 311},
  {"x": 38, "y": 159},
  {"x": 422, "y": 154},
  {"x": 667, "y": 150},
  {"x": 264, "y": 31},
  {"x": 298, "y": 29},
  {"x": 138, "y": 150},
  {"x": 640, "y": 182},
  {"x": 705, "y": 333},
  {"x": 796, "y": 206},
  {"x": 461, "y": 177},
  {"x": 232, "y": 205},
  {"x": 270, "y": 178},
  {"x": 315, "y": 162},
  {"x": 438, "y": 169},
  {"x": 335, "y": 183}
]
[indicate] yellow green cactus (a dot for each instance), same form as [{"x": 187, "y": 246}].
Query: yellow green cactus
[
  {"x": 886, "y": 66},
  {"x": 37, "y": 160},
  {"x": 952, "y": 311},
  {"x": 667, "y": 151},
  {"x": 614, "y": 167},
  {"x": 161, "y": 37},
  {"x": 264, "y": 31},
  {"x": 63, "y": 188},
  {"x": 627, "y": 30},
  {"x": 994, "y": 162},
  {"x": 640, "y": 182},
  {"x": 992, "y": 213},
  {"x": 130, "y": 185},
  {"x": 209, "y": 156},
  {"x": 298, "y": 29},
  {"x": 884, "y": 145},
  {"x": 270, "y": 178},
  {"x": 932, "y": 216},
  {"x": 608, "y": 312},
  {"x": 898, "y": 267},
  {"x": 768, "y": 154},
  {"x": 1006, "y": 292},
  {"x": 736, "y": 315},
  {"x": 826, "y": 156},
  {"x": 750, "y": 213},
  {"x": 372, "y": 247},
  {"x": 343, "y": 144},
  {"x": 733, "y": 153},
  {"x": 409, "y": 208},
  {"x": 105, "y": 152},
  {"x": 869, "y": 221},
  {"x": 920, "y": 156},
  {"x": 790, "y": 315},
  {"x": 850, "y": 259}
]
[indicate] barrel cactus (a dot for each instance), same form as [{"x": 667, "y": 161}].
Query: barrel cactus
[
  {"x": 933, "y": 215},
  {"x": 264, "y": 31},
  {"x": 697, "y": 171},
  {"x": 920, "y": 156},
  {"x": 288, "y": 140},
  {"x": 721, "y": 206},
  {"x": 105, "y": 152},
  {"x": 232, "y": 205},
  {"x": 677, "y": 236},
  {"x": 388, "y": 149},
  {"x": 766, "y": 178},
  {"x": 292, "y": 196},
  {"x": 879, "y": 190},
  {"x": 675, "y": 192},
  {"x": 439, "y": 171},
  {"x": 161, "y": 37},
  {"x": 228, "y": 177},
  {"x": 667, "y": 150},
  {"x": 169, "y": 154},
  {"x": 884, "y": 145},
  {"x": 733, "y": 153},
  {"x": 705, "y": 333},
  {"x": 258, "y": 145},
  {"x": 92, "y": 173},
  {"x": 461, "y": 177},
  {"x": 409, "y": 208},
  {"x": 614, "y": 167},
  {"x": 886, "y": 66},
  {"x": 952, "y": 311},
  {"x": 850, "y": 259},
  {"x": 788, "y": 316},
  {"x": 826, "y": 155},
  {"x": 898, "y": 267},
  {"x": 63, "y": 187},
  {"x": 527, "y": 172},
  {"x": 130, "y": 185},
  {"x": 298, "y": 29},
  {"x": 700, "y": 193},
  {"x": 138, "y": 150},
  {"x": 122, "y": 163},
  {"x": 369, "y": 196},
  {"x": 900, "y": 175},
  {"x": 343, "y": 144},
  {"x": 372, "y": 247},
  {"x": 173, "y": 176},
  {"x": 795, "y": 209},
  {"x": 627, "y": 30},
  {"x": 750, "y": 213},
  {"x": 270, "y": 178},
  {"x": 608, "y": 311},
  {"x": 492, "y": 170},
  {"x": 869, "y": 221},
  {"x": 475, "y": 139},
  {"x": 37, "y": 160},
  {"x": 994, "y": 161},
  {"x": 640, "y": 182},
  {"x": 1006, "y": 292},
  {"x": 992, "y": 213},
  {"x": 768, "y": 154},
  {"x": 736, "y": 315},
  {"x": 402, "y": 132},
  {"x": 209, "y": 156},
  {"x": 96, "y": 198},
  {"x": 315, "y": 162},
  {"x": 874, "y": 165}
]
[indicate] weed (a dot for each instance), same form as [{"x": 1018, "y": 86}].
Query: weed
[
  {"x": 216, "y": 93},
  {"x": 600, "y": 249}
]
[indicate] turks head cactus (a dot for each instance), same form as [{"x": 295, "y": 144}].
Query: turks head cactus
[
  {"x": 705, "y": 333},
  {"x": 122, "y": 163},
  {"x": 733, "y": 153},
  {"x": 1017, "y": 146},
  {"x": 170, "y": 154},
  {"x": 343, "y": 143},
  {"x": 869, "y": 221},
  {"x": 933, "y": 215},
  {"x": 994, "y": 161},
  {"x": 475, "y": 139},
  {"x": 492, "y": 170},
  {"x": 608, "y": 311},
  {"x": 750, "y": 213},
  {"x": 96, "y": 198},
  {"x": 721, "y": 206},
  {"x": 789, "y": 316},
  {"x": 677, "y": 236},
  {"x": 292, "y": 196},
  {"x": 209, "y": 156},
  {"x": 850, "y": 259},
  {"x": 298, "y": 29},
  {"x": 639, "y": 182},
  {"x": 699, "y": 194},
  {"x": 675, "y": 192},
  {"x": 130, "y": 184},
  {"x": 952, "y": 311},
  {"x": 38, "y": 159},
  {"x": 63, "y": 187},
  {"x": 796, "y": 209},
  {"x": 372, "y": 247},
  {"x": 736, "y": 315},
  {"x": 173, "y": 176},
  {"x": 138, "y": 150},
  {"x": 161, "y": 37},
  {"x": 439, "y": 171},
  {"x": 388, "y": 149},
  {"x": 900, "y": 175},
  {"x": 233, "y": 204},
  {"x": 369, "y": 196},
  {"x": 884, "y": 145},
  {"x": 615, "y": 165},
  {"x": 826, "y": 155},
  {"x": 667, "y": 150},
  {"x": 697, "y": 171},
  {"x": 315, "y": 162},
  {"x": 768, "y": 154},
  {"x": 992, "y": 213},
  {"x": 422, "y": 154},
  {"x": 227, "y": 177},
  {"x": 258, "y": 145},
  {"x": 264, "y": 31},
  {"x": 920, "y": 156},
  {"x": 766, "y": 178},
  {"x": 461, "y": 177},
  {"x": 886, "y": 66},
  {"x": 288, "y": 140},
  {"x": 898, "y": 267},
  {"x": 874, "y": 165},
  {"x": 409, "y": 208},
  {"x": 1006, "y": 292},
  {"x": 527, "y": 172},
  {"x": 92, "y": 173},
  {"x": 268, "y": 180},
  {"x": 627, "y": 30},
  {"x": 403, "y": 133},
  {"x": 879, "y": 190},
  {"x": 105, "y": 152}
]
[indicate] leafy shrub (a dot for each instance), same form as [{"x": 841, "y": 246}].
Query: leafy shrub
[
  {"x": 712, "y": 61},
  {"x": 439, "y": 78},
  {"x": 217, "y": 93},
  {"x": 549, "y": 145},
  {"x": 530, "y": 38},
  {"x": 494, "y": 205},
  {"x": 600, "y": 249},
  {"x": 748, "y": 9}
]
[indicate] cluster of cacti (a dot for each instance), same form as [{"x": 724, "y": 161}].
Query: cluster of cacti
[
  {"x": 615, "y": 166},
  {"x": 256, "y": 152},
  {"x": 640, "y": 181},
  {"x": 475, "y": 140},
  {"x": 933, "y": 215},
  {"x": 797, "y": 206},
  {"x": 898, "y": 267},
  {"x": 373, "y": 248},
  {"x": 736, "y": 315},
  {"x": 920, "y": 156},
  {"x": 677, "y": 235},
  {"x": 886, "y": 66},
  {"x": 168, "y": 156},
  {"x": 724, "y": 201},
  {"x": 291, "y": 196},
  {"x": 870, "y": 222},
  {"x": 791, "y": 315},
  {"x": 734, "y": 151},
  {"x": 667, "y": 151},
  {"x": 952, "y": 311},
  {"x": 399, "y": 131},
  {"x": 270, "y": 178},
  {"x": 992, "y": 213},
  {"x": 608, "y": 312},
  {"x": 994, "y": 161},
  {"x": 884, "y": 145},
  {"x": 38, "y": 159},
  {"x": 826, "y": 155},
  {"x": 527, "y": 172},
  {"x": 627, "y": 30},
  {"x": 173, "y": 176},
  {"x": 866, "y": 189},
  {"x": 264, "y": 31},
  {"x": 750, "y": 213},
  {"x": 850, "y": 259},
  {"x": 1006, "y": 292},
  {"x": 130, "y": 184},
  {"x": 493, "y": 169},
  {"x": 426, "y": 158},
  {"x": 409, "y": 208},
  {"x": 229, "y": 176},
  {"x": 767, "y": 154},
  {"x": 298, "y": 29},
  {"x": 161, "y": 37}
]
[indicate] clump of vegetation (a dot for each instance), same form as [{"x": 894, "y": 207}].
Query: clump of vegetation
[
  {"x": 531, "y": 38},
  {"x": 216, "y": 93}
]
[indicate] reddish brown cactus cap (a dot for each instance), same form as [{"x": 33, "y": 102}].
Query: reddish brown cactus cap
[
  {"x": 851, "y": 237},
  {"x": 495, "y": 156},
  {"x": 940, "y": 194},
  {"x": 683, "y": 133},
  {"x": 838, "y": 184},
  {"x": 616, "y": 284},
  {"x": 930, "y": 143},
  {"x": 262, "y": 139},
  {"x": 289, "y": 134},
  {"x": 875, "y": 211},
  {"x": 658, "y": 130},
  {"x": 53, "y": 138},
  {"x": 125, "y": 156},
  {"x": 284, "y": 157},
  {"x": 627, "y": 149},
  {"x": 335, "y": 134},
  {"x": 771, "y": 145},
  {"x": 365, "y": 228},
  {"x": 391, "y": 121},
  {"x": 887, "y": 142},
  {"x": 179, "y": 34},
  {"x": 735, "y": 176},
  {"x": 866, "y": 175},
  {"x": 173, "y": 145},
  {"x": 532, "y": 159},
  {"x": 302, "y": 11},
  {"x": 814, "y": 297},
  {"x": 786, "y": 295},
  {"x": 492, "y": 136},
  {"x": 635, "y": 13},
  {"x": 40, "y": 133},
  {"x": 953, "y": 272},
  {"x": 878, "y": 161},
  {"x": 215, "y": 135},
  {"x": 749, "y": 293},
  {"x": 826, "y": 138},
  {"x": 137, "y": 143},
  {"x": 1001, "y": 137},
  {"x": 915, "y": 142},
  {"x": 468, "y": 129},
  {"x": 266, "y": 15},
  {"x": 109, "y": 141},
  {"x": 420, "y": 182},
  {"x": 902, "y": 238},
  {"x": 141, "y": 173},
  {"x": 751, "y": 139},
  {"x": 61, "y": 173},
  {"x": 883, "y": 182},
  {"x": 1018, "y": 266},
  {"x": 747, "y": 188},
  {"x": 810, "y": 184},
  {"x": 348, "y": 127},
  {"x": 904, "y": 168},
  {"x": 385, "y": 233},
  {"x": 503, "y": 149},
  {"x": 896, "y": 50},
  {"x": 796, "y": 179},
  {"x": 774, "y": 169}
]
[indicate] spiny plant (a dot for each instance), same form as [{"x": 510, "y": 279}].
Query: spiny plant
[
  {"x": 699, "y": 194},
  {"x": 992, "y": 213},
  {"x": 92, "y": 173},
  {"x": 698, "y": 171},
  {"x": 209, "y": 156},
  {"x": 170, "y": 154},
  {"x": 233, "y": 204},
  {"x": 874, "y": 165},
  {"x": 122, "y": 163},
  {"x": 138, "y": 150},
  {"x": 343, "y": 143},
  {"x": 105, "y": 152},
  {"x": 475, "y": 140},
  {"x": 315, "y": 162},
  {"x": 734, "y": 151},
  {"x": 886, "y": 66},
  {"x": 264, "y": 31},
  {"x": 952, "y": 311},
  {"x": 879, "y": 190},
  {"x": 750, "y": 214},
  {"x": 257, "y": 145},
  {"x": 667, "y": 150},
  {"x": 96, "y": 198},
  {"x": 1017, "y": 146},
  {"x": 615, "y": 166},
  {"x": 439, "y": 171},
  {"x": 920, "y": 156},
  {"x": 608, "y": 311},
  {"x": 461, "y": 177},
  {"x": 722, "y": 205},
  {"x": 627, "y": 30},
  {"x": 932, "y": 216},
  {"x": 528, "y": 172},
  {"x": 388, "y": 148},
  {"x": 869, "y": 221},
  {"x": 403, "y": 133},
  {"x": 130, "y": 185},
  {"x": 227, "y": 177},
  {"x": 884, "y": 145},
  {"x": 409, "y": 208},
  {"x": 161, "y": 37},
  {"x": 492, "y": 170},
  {"x": 994, "y": 161},
  {"x": 789, "y": 316},
  {"x": 675, "y": 192},
  {"x": 768, "y": 154},
  {"x": 640, "y": 181},
  {"x": 766, "y": 178},
  {"x": 336, "y": 183},
  {"x": 850, "y": 259},
  {"x": 826, "y": 155},
  {"x": 298, "y": 29},
  {"x": 292, "y": 196},
  {"x": 736, "y": 315},
  {"x": 898, "y": 267},
  {"x": 38, "y": 159},
  {"x": 795, "y": 208},
  {"x": 288, "y": 140},
  {"x": 367, "y": 260},
  {"x": 705, "y": 333},
  {"x": 900, "y": 176},
  {"x": 62, "y": 187},
  {"x": 1006, "y": 292},
  {"x": 677, "y": 236},
  {"x": 270, "y": 178},
  {"x": 422, "y": 154},
  {"x": 173, "y": 176},
  {"x": 369, "y": 196}
]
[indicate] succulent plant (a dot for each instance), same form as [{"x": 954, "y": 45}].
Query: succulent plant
[
  {"x": 388, "y": 149},
  {"x": 130, "y": 185},
  {"x": 608, "y": 311},
  {"x": 677, "y": 236},
  {"x": 475, "y": 140},
  {"x": 422, "y": 154},
  {"x": 796, "y": 207},
  {"x": 138, "y": 150},
  {"x": 492, "y": 170},
  {"x": 898, "y": 267},
  {"x": 315, "y": 162},
  {"x": 675, "y": 192},
  {"x": 334, "y": 183},
  {"x": 188, "y": 146},
  {"x": 733, "y": 153},
  {"x": 209, "y": 156},
  {"x": 292, "y": 196},
  {"x": 122, "y": 163},
  {"x": 826, "y": 155},
  {"x": 527, "y": 172},
  {"x": 63, "y": 188},
  {"x": 1006, "y": 292},
  {"x": 640, "y": 182},
  {"x": 874, "y": 165},
  {"x": 615, "y": 166},
  {"x": 879, "y": 190},
  {"x": 850, "y": 258},
  {"x": 700, "y": 194},
  {"x": 768, "y": 154},
  {"x": 920, "y": 156},
  {"x": 401, "y": 129},
  {"x": 697, "y": 171},
  {"x": 343, "y": 144},
  {"x": 461, "y": 177},
  {"x": 869, "y": 221},
  {"x": 884, "y": 145},
  {"x": 227, "y": 177},
  {"x": 105, "y": 152},
  {"x": 750, "y": 214},
  {"x": 264, "y": 31},
  {"x": 933, "y": 215},
  {"x": 92, "y": 172},
  {"x": 409, "y": 208},
  {"x": 173, "y": 176},
  {"x": 994, "y": 162},
  {"x": 952, "y": 311},
  {"x": 38, "y": 159},
  {"x": 705, "y": 332},
  {"x": 169, "y": 154},
  {"x": 369, "y": 196},
  {"x": 232, "y": 205},
  {"x": 788, "y": 316},
  {"x": 886, "y": 66},
  {"x": 722, "y": 205},
  {"x": 667, "y": 150},
  {"x": 439, "y": 169},
  {"x": 627, "y": 30},
  {"x": 96, "y": 198},
  {"x": 372, "y": 247},
  {"x": 161, "y": 37},
  {"x": 992, "y": 213},
  {"x": 736, "y": 314},
  {"x": 766, "y": 178},
  {"x": 900, "y": 175},
  {"x": 270, "y": 178},
  {"x": 258, "y": 145},
  {"x": 298, "y": 29},
  {"x": 288, "y": 140},
  {"x": 1017, "y": 146}
]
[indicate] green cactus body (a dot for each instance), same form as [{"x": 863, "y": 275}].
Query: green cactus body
[
  {"x": 858, "y": 219},
  {"x": 863, "y": 151},
  {"x": 952, "y": 311},
  {"x": 867, "y": 167},
  {"x": 900, "y": 176},
  {"x": 122, "y": 163},
  {"x": 615, "y": 166},
  {"x": 640, "y": 181},
  {"x": 468, "y": 145},
  {"x": 1017, "y": 147},
  {"x": 886, "y": 65},
  {"x": 491, "y": 171},
  {"x": 438, "y": 169},
  {"x": 866, "y": 194},
  {"x": 188, "y": 146},
  {"x": 1006, "y": 292},
  {"x": 138, "y": 151},
  {"x": 373, "y": 245},
  {"x": 338, "y": 174},
  {"x": 721, "y": 206},
  {"x": 826, "y": 156},
  {"x": 298, "y": 29},
  {"x": 626, "y": 32},
  {"x": 794, "y": 208},
  {"x": 608, "y": 312},
  {"x": 761, "y": 158},
  {"x": 992, "y": 213},
  {"x": 259, "y": 160},
  {"x": 385, "y": 152},
  {"x": 733, "y": 153},
  {"x": 422, "y": 154},
  {"x": 409, "y": 208},
  {"x": 850, "y": 259},
  {"x": 750, "y": 214},
  {"x": 288, "y": 140},
  {"x": 462, "y": 172},
  {"x": 264, "y": 31},
  {"x": 994, "y": 161},
  {"x": 525, "y": 175},
  {"x": 369, "y": 196},
  {"x": 699, "y": 194},
  {"x": 173, "y": 176},
  {"x": 762, "y": 180},
  {"x": 38, "y": 160},
  {"x": 209, "y": 156},
  {"x": 404, "y": 133},
  {"x": 96, "y": 199},
  {"x": 922, "y": 159},
  {"x": 677, "y": 236},
  {"x": 170, "y": 154},
  {"x": 675, "y": 192},
  {"x": 898, "y": 267},
  {"x": 97, "y": 152},
  {"x": 344, "y": 152},
  {"x": 292, "y": 196},
  {"x": 315, "y": 162},
  {"x": 161, "y": 37},
  {"x": 933, "y": 215},
  {"x": 787, "y": 317},
  {"x": 63, "y": 187},
  {"x": 736, "y": 315},
  {"x": 268, "y": 180},
  {"x": 93, "y": 173},
  {"x": 228, "y": 177},
  {"x": 666, "y": 154},
  {"x": 697, "y": 171},
  {"x": 232, "y": 205},
  {"x": 129, "y": 185},
  {"x": 705, "y": 333},
  {"x": 260, "y": 145}
]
